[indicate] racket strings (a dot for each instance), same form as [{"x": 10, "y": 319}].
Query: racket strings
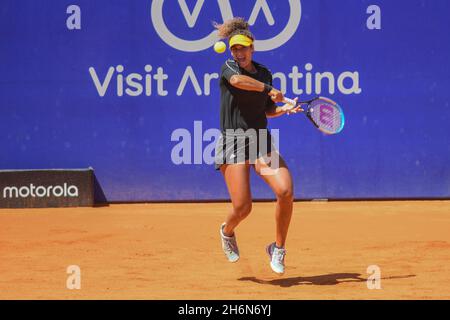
[{"x": 326, "y": 115}]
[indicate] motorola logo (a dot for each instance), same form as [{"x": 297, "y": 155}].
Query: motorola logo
[{"x": 40, "y": 191}]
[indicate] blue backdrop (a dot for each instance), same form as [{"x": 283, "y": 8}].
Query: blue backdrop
[{"x": 62, "y": 106}]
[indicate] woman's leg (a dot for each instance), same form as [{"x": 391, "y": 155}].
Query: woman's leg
[
  {"x": 280, "y": 181},
  {"x": 237, "y": 178}
]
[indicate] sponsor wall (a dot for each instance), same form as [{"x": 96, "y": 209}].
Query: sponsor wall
[{"x": 130, "y": 88}]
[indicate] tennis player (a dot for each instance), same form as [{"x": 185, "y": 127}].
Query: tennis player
[{"x": 247, "y": 100}]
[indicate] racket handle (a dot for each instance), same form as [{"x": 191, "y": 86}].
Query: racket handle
[{"x": 290, "y": 101}]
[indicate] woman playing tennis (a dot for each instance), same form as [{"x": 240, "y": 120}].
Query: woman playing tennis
[{"x": 247, "y": 100}]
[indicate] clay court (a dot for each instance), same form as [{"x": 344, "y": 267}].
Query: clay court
[{"x": 172, "y": 251}]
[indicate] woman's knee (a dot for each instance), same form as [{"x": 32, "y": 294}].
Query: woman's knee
[
  {"x": 243, "y": 209},
  {"x": 285, "y": 193}
]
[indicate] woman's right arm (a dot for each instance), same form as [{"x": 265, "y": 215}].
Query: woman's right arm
[{"x": 248, "y": 83}]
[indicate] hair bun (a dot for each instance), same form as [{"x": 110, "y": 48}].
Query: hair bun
[{"x": 232, "y": 27}]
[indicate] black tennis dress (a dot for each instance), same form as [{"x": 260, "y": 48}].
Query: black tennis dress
[{"x": 243, "y": 121}]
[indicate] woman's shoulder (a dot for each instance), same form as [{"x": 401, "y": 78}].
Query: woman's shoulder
[
  {"x": 230, "y": 66},
  {"x": 230, "y": 63}
]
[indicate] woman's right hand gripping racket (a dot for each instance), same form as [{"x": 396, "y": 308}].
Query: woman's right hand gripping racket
[{"x": 324, "y": 113}]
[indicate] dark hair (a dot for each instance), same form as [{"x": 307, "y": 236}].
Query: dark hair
[{"x": 233, "y": 27}]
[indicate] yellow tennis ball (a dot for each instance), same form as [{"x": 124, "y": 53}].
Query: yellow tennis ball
[{"x": 220, "y": 47}]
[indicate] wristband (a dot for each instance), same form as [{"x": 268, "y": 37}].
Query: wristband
[{"x": 267, "y": 88}]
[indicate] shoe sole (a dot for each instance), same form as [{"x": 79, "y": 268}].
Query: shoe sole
[{"x": 276, "y": 272}]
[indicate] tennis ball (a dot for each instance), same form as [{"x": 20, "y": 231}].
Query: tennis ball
[{"x": 220, "y": 47}]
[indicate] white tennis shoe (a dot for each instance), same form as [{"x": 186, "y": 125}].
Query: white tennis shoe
[
  {"x": 276, "y": 258},
  {"x": 229, "y": 246}
]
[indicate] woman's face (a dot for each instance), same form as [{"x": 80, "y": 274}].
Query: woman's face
[{"x": 242, "y": 55}]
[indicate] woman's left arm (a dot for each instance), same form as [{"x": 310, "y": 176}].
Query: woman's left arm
[{"x": 277, "y": 111}]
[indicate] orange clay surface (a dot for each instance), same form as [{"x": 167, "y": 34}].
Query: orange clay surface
[{"x": 173, "y": 251}]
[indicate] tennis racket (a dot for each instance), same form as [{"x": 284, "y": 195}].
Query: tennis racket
[{"x": 324, "y": 113}]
